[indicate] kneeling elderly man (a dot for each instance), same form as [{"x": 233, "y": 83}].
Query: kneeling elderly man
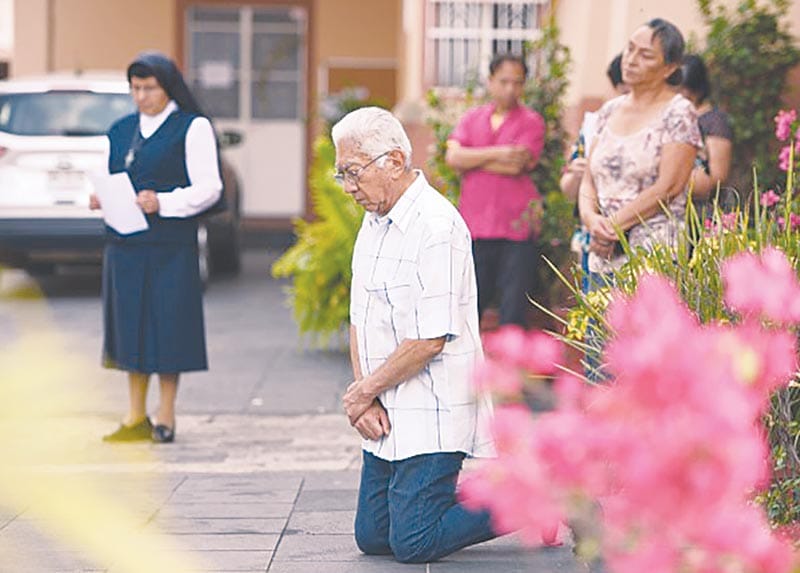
[{"x": 413, "y": 342}]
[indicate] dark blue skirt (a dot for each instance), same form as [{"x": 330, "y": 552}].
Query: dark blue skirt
[{"x": 153, "y": 308}]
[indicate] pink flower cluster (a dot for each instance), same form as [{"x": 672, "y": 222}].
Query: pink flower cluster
[
  {"x": 777, "y": 297},
  {"x": 794, "y": 221},
  {"x": 769, "y": 198},
  {"x": 668, "y": 455},
  {"x": 727, "y": 222},
  {"x": 510, "y": 362},
  {"x": 783, "y": 124},
  {"x": 785, "y": 156}
]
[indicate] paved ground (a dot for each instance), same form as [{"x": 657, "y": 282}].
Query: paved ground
[{"x": 262, "y": 477}]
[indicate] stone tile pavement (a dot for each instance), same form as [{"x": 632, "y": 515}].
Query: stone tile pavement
[
  {"x": 234, "y": 493},
  {"x": 262, "y": 477}
]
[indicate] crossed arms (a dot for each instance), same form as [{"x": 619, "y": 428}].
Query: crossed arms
[{"x": 501, "y": 159}]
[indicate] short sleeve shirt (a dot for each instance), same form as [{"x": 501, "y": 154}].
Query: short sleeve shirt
[
  {"x": 494, "y": 205},
  {"x": 715, "y": 123},
  {"x": 414, "y": 278},
  {"x": 622, "y": 166}
]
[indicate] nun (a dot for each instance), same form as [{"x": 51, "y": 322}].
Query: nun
[{"x": 152, "y": 291}]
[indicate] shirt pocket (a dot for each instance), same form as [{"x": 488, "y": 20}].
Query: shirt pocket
[{"x": 388, "y": 309}]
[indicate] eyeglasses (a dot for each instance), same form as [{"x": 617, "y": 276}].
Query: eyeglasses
[{"x": 353, "y": 173}]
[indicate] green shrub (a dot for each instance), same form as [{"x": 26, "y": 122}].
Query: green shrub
[
  {"x": 319, "y": 263},
  {"x": 749, "y": 52}
]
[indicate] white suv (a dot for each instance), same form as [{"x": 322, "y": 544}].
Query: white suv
[{"x": 52, "y": 136}]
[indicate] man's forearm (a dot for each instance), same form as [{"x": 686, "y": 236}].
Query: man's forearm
[
  {"x": 503, "y": 168},
  {"x": 466, "y": 158},
  {"x": 406, "y": 361},
  {"x": 355, "y": 361}
]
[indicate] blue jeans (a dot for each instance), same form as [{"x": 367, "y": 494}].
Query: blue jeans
[{"x": 408, "y": 509}]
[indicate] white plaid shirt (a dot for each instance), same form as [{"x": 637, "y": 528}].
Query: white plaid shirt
[{"x": 414, "y": 278}]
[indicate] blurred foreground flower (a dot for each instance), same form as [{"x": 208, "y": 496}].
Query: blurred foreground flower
[
  {"x": 656, "y": 471},
  {"x": 40, "y": 390}
]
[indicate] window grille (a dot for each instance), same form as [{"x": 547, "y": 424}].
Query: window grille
[{"x": 463, "y": 35}]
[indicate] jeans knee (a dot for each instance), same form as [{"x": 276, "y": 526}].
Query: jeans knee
[
  {"x": 370, "y": 542},
  {"x": 409, "y": 551}
]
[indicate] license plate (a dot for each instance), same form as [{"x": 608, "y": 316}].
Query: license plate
[{"x": 66, "y": 179}]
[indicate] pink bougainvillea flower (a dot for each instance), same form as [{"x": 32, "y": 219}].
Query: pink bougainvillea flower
[
  {"x": 794, "y": 221},
  {"x": 728, "y": 221},
  {"x": 506, "y": 344},
  {"x": 534, "y": 351},
  {"x": 760, "y": 358},
  {"x": 783, "y": 124},
  {"x": 784, "y": 156},
  {"x": 544, "y": 354},
  {"x": 496, "y": 377},
  {"x": 770, "y": 198},
  {"x": 514, "y": 486},
  {"x": 661, "y": 462},
  {"x": 777, "y": 294}
]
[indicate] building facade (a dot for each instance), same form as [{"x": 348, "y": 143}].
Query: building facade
[{"x": 262, "y": 66}]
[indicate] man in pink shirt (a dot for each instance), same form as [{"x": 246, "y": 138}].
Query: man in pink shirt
[{"x": 495, "y": 147}]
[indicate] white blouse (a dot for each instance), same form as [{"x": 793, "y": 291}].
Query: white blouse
[{"x": 201, "y": 165}]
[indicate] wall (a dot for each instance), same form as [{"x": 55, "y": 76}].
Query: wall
[
  {"x": 6, "y": 33},
  {"x": 30, "y": 37},
  {"x": 357, "y": 28},
  {"x": 89, "y": 34},
  {"x": 106, "y": 34},
  {"x": 357, "y": 45}
]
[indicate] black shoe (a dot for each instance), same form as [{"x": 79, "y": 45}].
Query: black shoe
[
  {"x": 135, "y": 433},
  {"x": 162, "y": 434}
]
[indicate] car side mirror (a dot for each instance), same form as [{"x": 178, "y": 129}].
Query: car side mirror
[{"x": 230, "y": 138}]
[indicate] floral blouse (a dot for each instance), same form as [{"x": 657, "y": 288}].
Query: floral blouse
[{"x": 622, "y": 166}]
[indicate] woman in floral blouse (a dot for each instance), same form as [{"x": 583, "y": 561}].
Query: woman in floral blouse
[{"x": 643, "y": 152}]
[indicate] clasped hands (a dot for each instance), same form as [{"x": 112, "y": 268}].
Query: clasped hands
[
  {"x": 365, "y": 412},
  {"x": 147, "y": 201},
  {"x": 603, "y": 236}
]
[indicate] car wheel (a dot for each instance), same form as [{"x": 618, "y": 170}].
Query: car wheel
[
  {"x": 225, "y": 250},
  {"x": 203, "y": 255}
]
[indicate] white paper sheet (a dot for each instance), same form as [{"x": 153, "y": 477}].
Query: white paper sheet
[{"x": 118, "y": 201}]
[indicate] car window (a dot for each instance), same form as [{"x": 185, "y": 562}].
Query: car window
[{"x": 62, "y": 112}]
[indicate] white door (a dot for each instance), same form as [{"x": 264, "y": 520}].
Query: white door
[{"x": 247, "y": 67}]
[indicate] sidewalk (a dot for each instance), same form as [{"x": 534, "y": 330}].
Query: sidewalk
[
  {"x": 239, "y": 493},
  {"x": 263, "y": 475}
]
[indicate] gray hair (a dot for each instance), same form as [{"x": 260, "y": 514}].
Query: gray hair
[{"x": 373, "y": 131}]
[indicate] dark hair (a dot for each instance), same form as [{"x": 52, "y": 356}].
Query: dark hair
[
  {"x": 140, "y": 70},
  {"x": 614, "y": 71},
  {"x": 672, "y": 45},
  {"x": 695, "y": 77},
  {"x": 499, "y": 59}
]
